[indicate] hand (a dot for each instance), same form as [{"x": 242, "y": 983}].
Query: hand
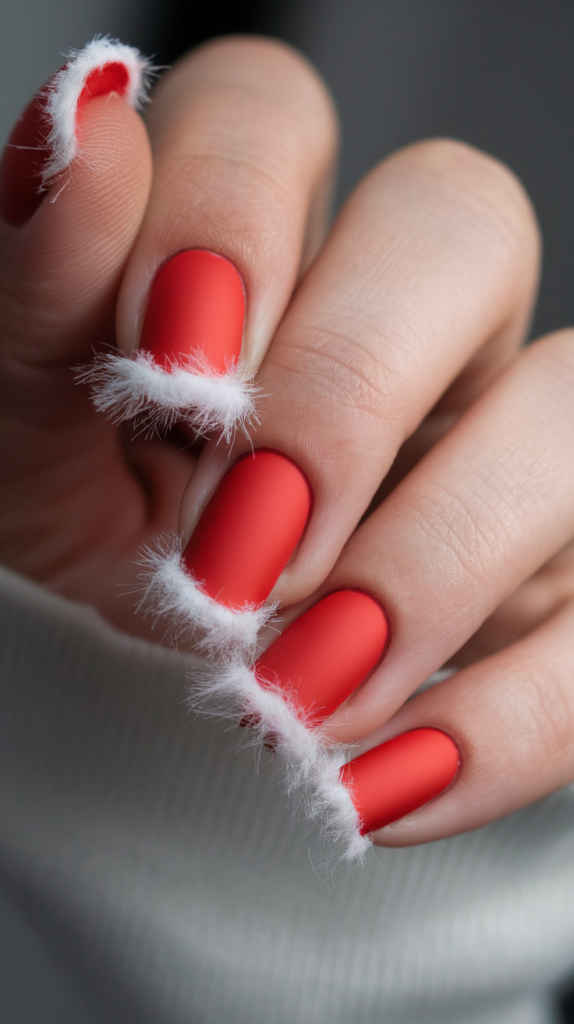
[
  {"x": 392, "y": 375},
  {"x": 243, "y": 137}
]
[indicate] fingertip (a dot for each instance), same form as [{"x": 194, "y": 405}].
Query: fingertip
[
  {"x": 113, "y": 165},
  {"x": 48, "y": 135},
  {"x": 65, "y": 261},
  {"x": 80, "y": 236}
]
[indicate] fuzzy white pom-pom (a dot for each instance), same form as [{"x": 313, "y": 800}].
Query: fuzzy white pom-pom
[
  {"x": 64, "y": 90},
  {"x": 169, "y": 591},
  {"x": 189, "y": 392}
]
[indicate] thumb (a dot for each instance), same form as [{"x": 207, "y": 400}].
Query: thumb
[{"x": 62, "y": 249}]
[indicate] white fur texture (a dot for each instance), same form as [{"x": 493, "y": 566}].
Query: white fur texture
[
  {"x": 312, "y": 766},
  {"x": 330, "y": 802},
  {"x": 126, "y": 388},
  {"x": 228, "y": 688},
  {"x": 64, "y": 89},
  {"x": 170, "y": 591}
]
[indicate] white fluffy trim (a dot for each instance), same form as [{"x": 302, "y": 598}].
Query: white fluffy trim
[
  {"x": 169, "y": 590},
  {"x": 64, "y": 89},
  {"x": 312, "y": 766},
  {"x": 126, "y": 388},
  {"x": 230, "y": 689},
  {"x": 330, "y": 802}
]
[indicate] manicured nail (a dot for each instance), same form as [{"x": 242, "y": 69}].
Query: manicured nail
[
  {"x": 395, "y": 778},
  {"x": 249, "y": 529},
  {"x": 325, "y": 654},
  {"x": 112, "y": 77},
  {"x": 196, "y": 309}
]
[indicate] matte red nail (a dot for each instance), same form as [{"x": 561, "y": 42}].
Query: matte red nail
[
  {"x": 249, "y": 529},
  {"x": 196, "y": 307},
  {"x": 326, "y": 653},
  {"x": 395, "y": 778}
]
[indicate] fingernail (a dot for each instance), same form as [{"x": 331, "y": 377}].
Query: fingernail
[
  {"x": 196, "y": 309},
  {"x": 395, "y": 778},
  {"x": 249, "y": 529},
  {"x": 112, "y": 77},
  {"x": 325, "y": 654}
]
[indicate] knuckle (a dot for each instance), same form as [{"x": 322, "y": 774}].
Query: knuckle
[
  {"x": 553, "y": 357},
  {"x": 546, "y": 714},
  {"x": 461, "y": 537},
  {"x": 481, "y": 178},
  {"x": 343, "y": 368},
  {"x": 260, "y": 60},
  {"x": 482, "y": 191},
  {"x": 243, "y": 183},
  {"x": 230, "y": 214},
  {"x": 258, "y": 81}
]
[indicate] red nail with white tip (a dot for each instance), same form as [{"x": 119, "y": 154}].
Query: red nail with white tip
[
  {"x": 187, "y": 368},
  {"x": 239, "y": 548},
  {"x": 309, "y": 671},
  {"x": 354, "y": 798},
  {"x": 322, "y": 657},
  {"x": 195, "y": 311}
]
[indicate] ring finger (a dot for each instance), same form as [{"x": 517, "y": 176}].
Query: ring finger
[{"x": 485, "y": 509}]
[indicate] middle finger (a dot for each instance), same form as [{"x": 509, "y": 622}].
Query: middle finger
[{"x": 433, "y": 260}]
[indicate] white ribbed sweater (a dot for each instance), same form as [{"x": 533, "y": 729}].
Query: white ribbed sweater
[{"x": 152, "y": 873}]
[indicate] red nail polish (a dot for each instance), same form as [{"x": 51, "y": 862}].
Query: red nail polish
[
  {"x": 249, "y": 529},
  {"x": 196, "y": 308},
  {"x": 112, "y": 77},
  {"x": 325, "y": 654},
  {"x": 23, "y": 161},
  {"x": 395, "y": 778}
]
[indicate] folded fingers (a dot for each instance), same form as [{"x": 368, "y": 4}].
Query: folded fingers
[
  {"x": 479, "y": 515},
  {"x": 433, "y": 259},
  {"x": 512, "y": 719},
  {"x": 486, "y": 508}
]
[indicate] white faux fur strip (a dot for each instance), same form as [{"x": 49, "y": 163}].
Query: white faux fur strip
[
  {"x": 228, "y": 688},
  {"x": 126, "y": 388},
  {"x": 64, "y": 89},
  {"x": 169, "y": 591},
  {"x": 234, "y": 692},
  {"x": 330, "y": 802},
  {"x": 311, "y": 766}
]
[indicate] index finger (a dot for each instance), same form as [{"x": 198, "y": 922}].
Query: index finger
[{"x": 244, "y": 137}]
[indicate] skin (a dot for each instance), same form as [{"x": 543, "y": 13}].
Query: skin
[{"x": 390, "y": 356}]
